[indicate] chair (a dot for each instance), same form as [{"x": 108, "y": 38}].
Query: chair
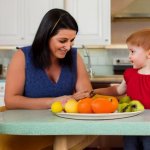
[{"x": 2, "y": 108}]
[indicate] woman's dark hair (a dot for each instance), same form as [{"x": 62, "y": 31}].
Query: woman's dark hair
[{"x": 52, "y": 22}]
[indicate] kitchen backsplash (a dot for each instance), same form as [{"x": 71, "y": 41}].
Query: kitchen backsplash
[
  {"x": 5, "y": 57},
  {"x": 101, "y": 59}
]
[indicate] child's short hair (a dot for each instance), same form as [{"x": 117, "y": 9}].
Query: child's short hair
[{"x": 140, "y": 38}]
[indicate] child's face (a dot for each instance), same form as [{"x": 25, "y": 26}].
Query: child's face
[{"x": 137, "y": 56}]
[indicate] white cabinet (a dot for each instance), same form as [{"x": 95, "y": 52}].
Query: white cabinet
[
  {"x": 10, "y": 21},
  {"x": 19, "y": 19},
  {"x": 93, "y": 17},
  {"x": 34, "y": 12}
]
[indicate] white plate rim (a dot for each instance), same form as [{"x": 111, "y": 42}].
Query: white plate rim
[{"x": 101, "y": 116}]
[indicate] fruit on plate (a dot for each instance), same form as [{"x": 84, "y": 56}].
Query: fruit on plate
[
  {"x": 107, "y": 104},
  {"x": 114, "y": 102},
  {"x": 124, "y": 107},
  {"x": 56, "y": 107},
  {"x": 112, "y": 99},
  {"x": 97, "y": 96},
  {"x": 101, "y": 105},
  {"x": 84, "y": 105},
  {"x": 101, "y": 96},
  {"x": 124, "y": 99},
  {"x": 132, "y": 106},
  {"x": 136, "y": 106},
  {"x": 71, "y": 106}
]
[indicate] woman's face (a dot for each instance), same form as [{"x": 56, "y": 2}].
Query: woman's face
[{"x": 62, "y": 42}]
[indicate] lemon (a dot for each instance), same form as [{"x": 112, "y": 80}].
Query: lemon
[
  {"x": 56, "y": 107},
  {"x": 71, "y": 106}
]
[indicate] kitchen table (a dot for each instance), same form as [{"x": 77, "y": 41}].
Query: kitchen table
[{"x": 43, "y": 122}]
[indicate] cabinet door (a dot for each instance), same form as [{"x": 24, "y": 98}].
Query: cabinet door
[
  {"x": 10, "y": 21},
  {"x": 34, "y": 12},
  {"x": 93, "y": 17},
  {"x": 19, "y": 19}
]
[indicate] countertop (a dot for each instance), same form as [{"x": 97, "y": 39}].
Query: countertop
[
  {"x": 99, "y": 78},
  {"x": 43, "y": 122},
  {"x": 111, "y": 46},
  {"x": 107, "y": 79}
]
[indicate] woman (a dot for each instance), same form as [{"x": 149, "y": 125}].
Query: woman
[{"x": 49, "y": 70}]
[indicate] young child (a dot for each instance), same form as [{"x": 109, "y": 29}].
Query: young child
[{"x": 136, "y": 82}]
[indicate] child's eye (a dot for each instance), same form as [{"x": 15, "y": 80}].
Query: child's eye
[{"x": 132, "y": 51}]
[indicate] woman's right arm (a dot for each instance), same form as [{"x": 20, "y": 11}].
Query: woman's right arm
[{"x": 15, "y": 81}]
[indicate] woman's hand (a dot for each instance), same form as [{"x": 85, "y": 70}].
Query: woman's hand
[
  {"x": 77, "y": 96},
  {"x": 63, "y": 99},
  {"x": 81, "y": 95}
]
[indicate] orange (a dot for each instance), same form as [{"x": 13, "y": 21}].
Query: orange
[
  {"x": 114, "y": 103},
  {"x": 101, "y": 105},
  {"x": 112, "y": 99},
  {"x": 84, "y": 105}
]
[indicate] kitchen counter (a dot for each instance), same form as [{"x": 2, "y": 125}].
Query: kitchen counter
[
  {"x": 107, "y": 79},
  {"x": 111, "y": 46},
  {"x": 99, "y": 78},
  {"x": 43, "y": 122}
]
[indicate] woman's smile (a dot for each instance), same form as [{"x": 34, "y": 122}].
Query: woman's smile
[{"x": 63, "y": 52}]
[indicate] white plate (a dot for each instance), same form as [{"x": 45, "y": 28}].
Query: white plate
[{"x": 115, "y": 115}]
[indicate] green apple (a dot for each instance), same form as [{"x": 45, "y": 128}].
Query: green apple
[
  {"x": 124, "y": 107},
  {"x": 124, "y": 99},
  {"x": 71, "y": 106},
  {"x": 136, "y": 106}
]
